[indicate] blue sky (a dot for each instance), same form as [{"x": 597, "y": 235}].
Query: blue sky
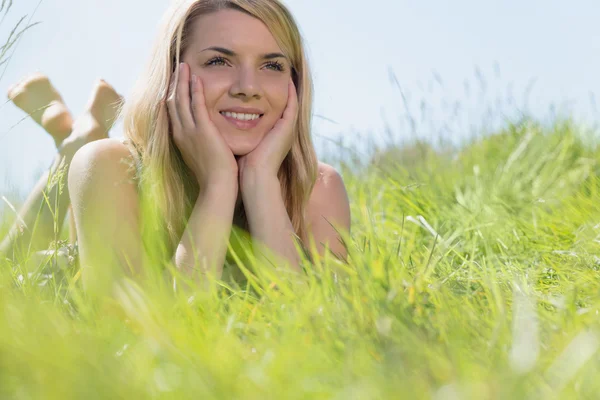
[{"x": 436, "y": 50}]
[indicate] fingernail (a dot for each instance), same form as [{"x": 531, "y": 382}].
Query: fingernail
[
  {"x": 181, "y": 66},
  {"x": 193, "y": 78}
]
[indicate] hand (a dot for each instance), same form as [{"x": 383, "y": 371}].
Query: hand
[
  {"x": 274, "y": 147},
  {"x": 201, "y": 145}
]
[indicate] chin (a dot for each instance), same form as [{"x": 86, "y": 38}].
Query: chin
[
  {"x": 241, "y": 143},
  {"x": 239, "y": 152},
  {"x": 241, "y": 148}
]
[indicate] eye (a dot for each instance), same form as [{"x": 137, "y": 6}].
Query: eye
[
  {"x": 216, "y": 61},
  {"x": 276, "y": 65}
]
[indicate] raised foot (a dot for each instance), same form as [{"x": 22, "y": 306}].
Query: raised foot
[
  {"x": 36, "y": 96},
  {"x": 99, "y": 115},
  {"x": 104, "y": 104}
]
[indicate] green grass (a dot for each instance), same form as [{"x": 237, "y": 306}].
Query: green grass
[{"x": 471, "y": 274}]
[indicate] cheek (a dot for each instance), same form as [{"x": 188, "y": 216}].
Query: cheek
[
  {"x": 278, "y": 94},
  {"x": 212, "y": 90},
  {"x": 214, "y": 87}
]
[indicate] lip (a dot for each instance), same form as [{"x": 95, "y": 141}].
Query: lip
[
  {"x": 242, "y": 125},
  {"x": 244, "y": 110}
]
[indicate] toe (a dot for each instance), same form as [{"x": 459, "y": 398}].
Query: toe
[{"x": 10, "y": 90}]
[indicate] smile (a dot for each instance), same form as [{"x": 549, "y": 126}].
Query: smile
[
  {"x": 240, "y": 116},
  {"x": 242, "y": 121}
]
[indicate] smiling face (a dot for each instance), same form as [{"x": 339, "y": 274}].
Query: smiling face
[{"x": 241, "y": 67}]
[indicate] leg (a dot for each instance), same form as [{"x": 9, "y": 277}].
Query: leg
[
  {"x": 95, "y": 123},
  {"x": 41, "y": 217}
]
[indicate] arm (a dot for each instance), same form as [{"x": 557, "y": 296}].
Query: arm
[
  {"x": 271, "y": 225},
  {"x": 203, "y": 149},
  {"x": 268, "y": 219},
  {"x": 203, "y": 245},
  {"x": 106, "y": 208}
]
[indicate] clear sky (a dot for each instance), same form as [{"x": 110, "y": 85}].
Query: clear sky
[{"x": 456, "y": 57}]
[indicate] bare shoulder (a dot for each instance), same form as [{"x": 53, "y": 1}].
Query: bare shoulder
[
  {"x": 102, "y": 165},
  {"x": 107, "y": 156},
  {"x": 104, "y": 150},
  {"x": 105, "y": 206},
  {"x": 328, "y": 204},
  {"x": 328, "y": 180}
]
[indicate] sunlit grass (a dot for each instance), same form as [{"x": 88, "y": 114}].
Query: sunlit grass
[{"x": 471, "y": 274}]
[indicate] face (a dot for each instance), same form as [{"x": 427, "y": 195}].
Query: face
[{"x": 241, "y": 67}]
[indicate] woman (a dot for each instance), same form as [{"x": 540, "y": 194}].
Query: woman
[{"x": 219, "y": 132}]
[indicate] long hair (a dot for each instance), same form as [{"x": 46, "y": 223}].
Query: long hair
[{"x": 167, "y": 185}]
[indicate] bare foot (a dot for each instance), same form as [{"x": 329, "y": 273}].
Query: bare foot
[
  {"x": 104, "y": 104},
  {"x": 99, "y": 115},
  {"x": 37, "y": 97}
]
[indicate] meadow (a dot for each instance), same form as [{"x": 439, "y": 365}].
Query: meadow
[{"x": 473, "y": 273}]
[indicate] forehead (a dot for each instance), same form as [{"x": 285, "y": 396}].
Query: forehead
[{"x": 233, "y": 29}]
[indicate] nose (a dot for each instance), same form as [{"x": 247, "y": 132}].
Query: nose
[{"x": 246, "y": 84}]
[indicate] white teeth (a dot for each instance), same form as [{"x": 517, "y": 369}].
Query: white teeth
[{"x": 241, "y": 117}]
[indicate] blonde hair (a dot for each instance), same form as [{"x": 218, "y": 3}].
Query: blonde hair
[{"x": 167, "y": 184}]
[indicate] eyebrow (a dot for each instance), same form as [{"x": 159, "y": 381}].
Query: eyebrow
[{"x": 231, "y": 53}]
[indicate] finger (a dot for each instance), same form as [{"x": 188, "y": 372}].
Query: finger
[
  {"x": 199, "y": 102},
  {"x": 183, "y": 98},
  {"x": 291, "y": 109},
  {"x": 171, "y": 104}
]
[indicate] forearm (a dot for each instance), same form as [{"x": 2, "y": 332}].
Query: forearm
[
  {"x": 203, "y": 246},
  {"x": 37, "y": 223},
  {"x": 268, "y": 219}
]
